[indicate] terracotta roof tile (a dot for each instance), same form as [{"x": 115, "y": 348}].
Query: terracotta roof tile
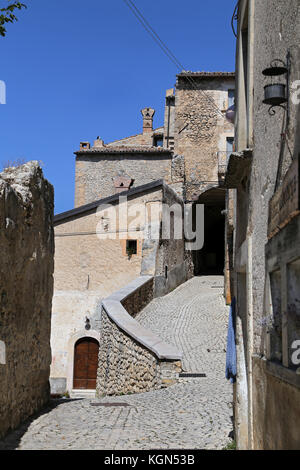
[
  {"x": 123, "y": 149},
  {"x": 188, "y": 73}
]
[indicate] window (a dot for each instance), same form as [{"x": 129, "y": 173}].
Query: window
[
  {"x": 282, "y": 311},
  {"x": 158, "y": 141},
  {"x": 275, "y": 324},
  {"x": 229, "y": 145},
  {"x": 131, "y": 247},
  {"x": 231, "y": 96}
]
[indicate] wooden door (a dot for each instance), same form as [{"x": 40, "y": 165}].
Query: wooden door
[{"x": 85, "y": 363}]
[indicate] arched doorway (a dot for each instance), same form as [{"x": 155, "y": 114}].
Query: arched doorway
[
  {"x": 210, "y": 259},
  {"x": 85, "y": 363}
]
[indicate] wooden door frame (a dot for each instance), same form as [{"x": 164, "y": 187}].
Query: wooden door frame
[
  {"x": 71, "y": 350},
  {"x": 87, "y": 340}
]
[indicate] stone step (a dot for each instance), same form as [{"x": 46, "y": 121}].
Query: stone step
[{"x": 77, "y": 393}]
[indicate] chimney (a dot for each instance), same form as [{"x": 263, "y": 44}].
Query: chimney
[
  {"x": 148, "y": 114},
  {"x": 85, "y": 146},
  {"x": 99, "y": 142}
]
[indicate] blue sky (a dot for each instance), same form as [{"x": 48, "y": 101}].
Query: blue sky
[{"x": 78, "y": 69}]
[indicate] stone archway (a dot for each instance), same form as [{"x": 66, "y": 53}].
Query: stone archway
[{"x": 210, "y": 259}]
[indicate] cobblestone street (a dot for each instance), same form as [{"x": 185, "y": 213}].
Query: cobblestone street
[{"x": 195, "y": 413}]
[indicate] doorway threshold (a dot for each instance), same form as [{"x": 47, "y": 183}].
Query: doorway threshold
[{"x": 82, "y": 393}]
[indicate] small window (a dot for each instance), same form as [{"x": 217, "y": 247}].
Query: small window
[
  {"x": 131, "y": 247},
  {"x": 158, "y": 141},
  {"x": 230, "y": 144},
  {"x": 231, "y": 95}
]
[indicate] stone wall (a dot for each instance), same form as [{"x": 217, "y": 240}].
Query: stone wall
[
  {"x": 26, "y": 285},
  {"x": 139, "y": 298},
  {"x": 145, "y": 138},
  {"x": 200, "y": 132},
  {"x": 276, "y": 410},
  {"x": 174, "y": 264},
  {"x": 131, "y": 358},
  {"x": 274, "y": 30},
  {"x": 95, "y": 172},
  {"x": 169, "y": 119},
  {"x": 165, "y": 257}
]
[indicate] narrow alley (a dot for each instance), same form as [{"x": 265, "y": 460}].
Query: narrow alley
[{"x": 196, "y": 413}]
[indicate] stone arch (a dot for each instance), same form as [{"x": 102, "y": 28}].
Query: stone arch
[
  {"x": 71, "y": 347},
  {"x": 210, "y": 259}
]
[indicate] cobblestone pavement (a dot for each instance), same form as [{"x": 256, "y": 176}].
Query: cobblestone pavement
[{"x": 194, "y": 414}]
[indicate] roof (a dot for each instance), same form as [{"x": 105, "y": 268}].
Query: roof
[
  {"x": 124, "y": 149},
  {"x": 108, "y": 200},
  {"x": 131, "y": 136},
  {"x": 188, "y": 73}
]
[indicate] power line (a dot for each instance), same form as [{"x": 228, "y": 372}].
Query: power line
[
  {"x": 165, "y": 48},
  {"x": 235, "y": 17},
  {"x": 152, "y": 32},
  {"x": 146, "y": 25}
]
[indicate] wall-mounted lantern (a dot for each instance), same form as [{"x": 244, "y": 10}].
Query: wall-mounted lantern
[{"x": 276, "y": 94}]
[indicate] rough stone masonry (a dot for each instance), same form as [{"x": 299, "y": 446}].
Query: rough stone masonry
[{"x": 26, "y": 288}]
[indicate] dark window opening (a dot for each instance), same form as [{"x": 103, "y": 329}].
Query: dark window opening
[
  {"x": 210, "y": 259},
  {"x": 231, "y": 95},
  {"x": 158, "y": 141},
  {"x": 131, "y": 247},
  {"x": 230, "y": 144}
]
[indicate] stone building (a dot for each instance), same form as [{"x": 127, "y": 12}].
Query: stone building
[
  {"x": 202, "y": 134},
  {"x": 98, "y": 251},
  {"x": 26, "y": 287},
  {"x": 160, "y": 166},
  {"x": 105, "y": 169},
  {"x": 263, "y": 204},
  {"x": 205, "y": 138}
]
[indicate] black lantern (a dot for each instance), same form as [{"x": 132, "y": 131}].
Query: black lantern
[
  {"x": 277, "y": 67},
  {"x": 276, "y": 94}
]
